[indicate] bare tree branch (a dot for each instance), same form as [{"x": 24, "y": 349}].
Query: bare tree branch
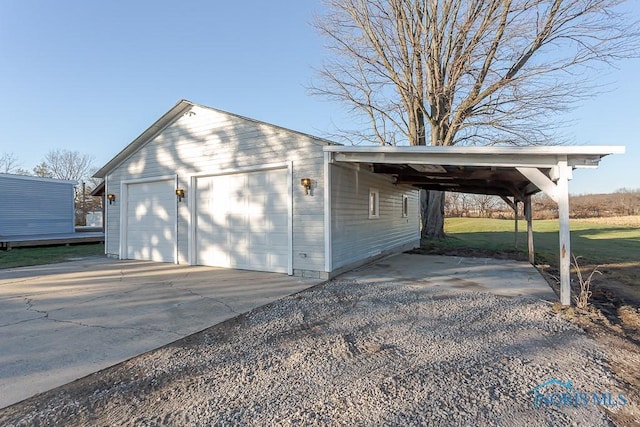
[
  {"x": 407, "y": 63},
  {"x": 476, "y": 72},
  {"x": 9, "y": 163},
  {"x": 70, "y": 165}
]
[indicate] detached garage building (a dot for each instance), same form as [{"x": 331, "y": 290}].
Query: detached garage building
[{"x": 207, "y": 187}]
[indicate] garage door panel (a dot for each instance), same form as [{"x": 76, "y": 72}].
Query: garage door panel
[
  {"x": 279, "y": 240},
  {"x": 242, "y": 221},
  {"x": 279, "y": 222},
  {"x": 277, "y": 259}
]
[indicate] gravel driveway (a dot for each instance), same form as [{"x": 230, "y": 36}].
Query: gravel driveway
[{"x": 350, "y": 353}]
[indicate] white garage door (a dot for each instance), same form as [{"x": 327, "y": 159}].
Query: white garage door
[
  {"x": 151, "y": 221},
  {"x": 242, "y": 221}
]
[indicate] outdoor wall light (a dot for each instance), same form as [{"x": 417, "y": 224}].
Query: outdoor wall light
[
  {"x": 180, "y": 194},
  {"x": 306, "y": 183},
  {"x": 111, "y": 198}
]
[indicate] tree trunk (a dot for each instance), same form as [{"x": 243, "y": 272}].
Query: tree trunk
[{"x": 432, "y": 208}]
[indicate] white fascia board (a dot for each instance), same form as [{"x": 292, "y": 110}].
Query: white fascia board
[
  {"x": 450, "y": 159},
  {"x": 546, "y": 149},
  {"x": 155, "y": 129},
  {"x": 541, "y": 157}
]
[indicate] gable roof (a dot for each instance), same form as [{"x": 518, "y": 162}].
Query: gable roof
[{"x": 168, "y": 118}]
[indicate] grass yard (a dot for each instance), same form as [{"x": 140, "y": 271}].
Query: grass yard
[
  {"x": 21, "y": 257},
  {"x": 599, "y": 240}
]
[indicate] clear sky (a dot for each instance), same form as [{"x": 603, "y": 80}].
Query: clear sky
[{"x": 91, "y": 76}]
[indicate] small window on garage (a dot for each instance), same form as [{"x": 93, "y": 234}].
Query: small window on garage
[
  {"x": 405, "y": 206},
  {"x": 374, "y": 203}
]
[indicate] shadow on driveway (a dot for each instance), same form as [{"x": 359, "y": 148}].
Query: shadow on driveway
[{"x": 63, "y": 321}]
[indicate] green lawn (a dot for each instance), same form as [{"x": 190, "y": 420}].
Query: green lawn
[
  {"x": 595, "y": 240},
  {"x": 20, "y": 257}
]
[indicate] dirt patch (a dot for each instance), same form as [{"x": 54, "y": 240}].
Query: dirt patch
[{"x": 471, "y": 252}]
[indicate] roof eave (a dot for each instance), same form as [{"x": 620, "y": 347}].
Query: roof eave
[
  {"x": 548, "y": 156},
  {"x": 145, "y": 136}
]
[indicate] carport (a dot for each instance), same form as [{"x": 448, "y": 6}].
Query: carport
[{"x": 513, "y": 173}]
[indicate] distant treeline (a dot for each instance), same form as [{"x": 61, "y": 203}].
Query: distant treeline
[{"x": 623, "y": 202}]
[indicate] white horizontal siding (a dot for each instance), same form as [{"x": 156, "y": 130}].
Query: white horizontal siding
[
  {"x": 355, "y": 235},
  {"x": 205, "y": 141}
]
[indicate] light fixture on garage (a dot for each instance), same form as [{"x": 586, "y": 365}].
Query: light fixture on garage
[
  {"x": 180, "y": 194},
  {"x": 306, "y": 183},
  {"x": 111, "y": 198}
]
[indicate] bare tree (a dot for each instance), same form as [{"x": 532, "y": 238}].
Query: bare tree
[
  {"x": 476, "y": 72},
  {"x": 71, "y": 165},
  {"x": 628, "y": 200},
  {"x": 484, "y": 204},
  {"x": 65, "y": 164},
  {"x": 9, "y": 163}
]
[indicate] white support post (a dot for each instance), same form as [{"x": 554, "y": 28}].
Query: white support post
[
  {"x": 559, "y": 192},
  {"x": 528, "y": 213},
  {"x": 328, "y": 245},
  {"x": 515, "y": 213},
  {"x": 565, "y": 234}
]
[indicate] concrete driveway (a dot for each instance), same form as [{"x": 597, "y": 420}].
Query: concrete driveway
[
  {"x": 450, "y": 273},
  {"x": 64, "y": 321}
]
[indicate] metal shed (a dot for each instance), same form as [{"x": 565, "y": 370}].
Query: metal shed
[{"x": 36, "y": 206}]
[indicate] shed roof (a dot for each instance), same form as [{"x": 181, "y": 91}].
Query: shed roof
[{"x": 37, "y": 178}]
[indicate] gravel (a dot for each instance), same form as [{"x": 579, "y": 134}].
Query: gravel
[{"x": 348, "y": 353}]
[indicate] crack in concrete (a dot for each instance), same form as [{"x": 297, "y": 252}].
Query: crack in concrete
[
  {"x": 192, "y": 292},
  {"x": 46, "y": 316},
  {"x": 16, "y": 282},
  {"x": 114, "y": 327},
  {"x": 27, "y": 301}
]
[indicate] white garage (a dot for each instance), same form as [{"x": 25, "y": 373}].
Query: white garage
[
  {"x": 202, "y": 186},
  {"x": 243, "y": 220},
  {"x": 149, "y": 226}
]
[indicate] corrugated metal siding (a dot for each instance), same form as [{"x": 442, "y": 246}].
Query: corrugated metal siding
[
  {"x": 204, "y": 141},
  {"x": 31, "y": 206},
  {"x": 355, "y": 235}
]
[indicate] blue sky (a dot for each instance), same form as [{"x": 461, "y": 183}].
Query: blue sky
[{"x": 91, "y": 76}]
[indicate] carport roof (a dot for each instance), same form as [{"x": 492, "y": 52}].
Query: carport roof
[{"x": 502, "y": 171}]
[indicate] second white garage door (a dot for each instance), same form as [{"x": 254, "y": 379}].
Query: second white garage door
[{"x": 242, "y": 221}]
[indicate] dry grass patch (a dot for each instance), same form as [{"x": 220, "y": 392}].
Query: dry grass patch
[{"x": 622, "y": 221}]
